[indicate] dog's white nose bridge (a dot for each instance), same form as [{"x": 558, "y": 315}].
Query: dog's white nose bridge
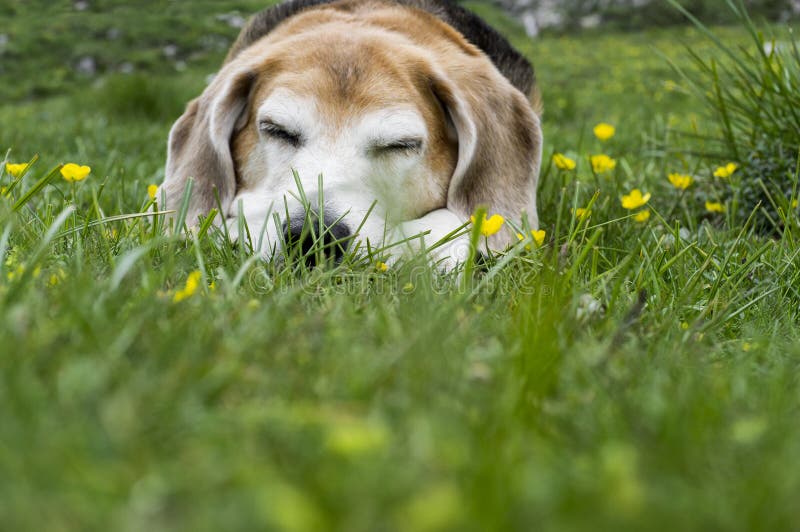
[{"x": 334, "y": 165}]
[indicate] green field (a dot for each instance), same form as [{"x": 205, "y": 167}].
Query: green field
[{"x": 623, "y": 376}]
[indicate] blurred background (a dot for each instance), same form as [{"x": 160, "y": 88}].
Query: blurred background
[
  {"x": 571, "y": 15},
  {"x": 47, "y": 45}
]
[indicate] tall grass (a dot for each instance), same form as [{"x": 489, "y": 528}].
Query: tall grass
[{"x": 752, "y": 94}]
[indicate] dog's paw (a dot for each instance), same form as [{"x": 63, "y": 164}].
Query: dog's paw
[{"x": 436, "y": 234}]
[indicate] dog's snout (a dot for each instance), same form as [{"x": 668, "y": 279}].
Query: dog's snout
[{"x": 312, "y": 239}]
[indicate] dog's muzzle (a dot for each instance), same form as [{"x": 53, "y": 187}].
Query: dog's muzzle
[{"x": 312, "y": 238}]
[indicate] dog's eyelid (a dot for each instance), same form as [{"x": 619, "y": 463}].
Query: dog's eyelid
[
  {"x": 265, "y": 124},
  {"x": 406, "y": 144},
  {"x": 278, "y": 131}
]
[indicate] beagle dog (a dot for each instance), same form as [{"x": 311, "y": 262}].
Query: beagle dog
[{"x": 413, "y": 112}]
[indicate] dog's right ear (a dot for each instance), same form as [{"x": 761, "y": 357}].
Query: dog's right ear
[{"x": 199, "y": 144}]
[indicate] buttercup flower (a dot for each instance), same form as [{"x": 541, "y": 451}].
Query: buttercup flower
[
  {"x": 73, "y": 172},
  {"x": 794, "y": 204},
  {"x": 604, "y": 131},
  {"x": 538, "y": 237},
  {"x": 192, "y": 283},
  {"x": 490, "y": 225},
  {"x": 726, "y": 171},
  {"x": 715, "y": 206},
  {"x": 642, "y": 216},
  {"x": 16, "y": 169},
  {"x": 563, "y": 162},
  {"x": 635, "y": 199},
  {"x": 680, "y": 181},
  {"x": 602, "y": 163},
  {"x": 581, "y": 213},
  {"x": 152, "y": 190},
  {"x": 381, "y": 266},
  {"x": 56, "y": 277}
]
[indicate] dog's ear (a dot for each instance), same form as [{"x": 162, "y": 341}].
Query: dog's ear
[
  {"x": 499, "y": 144},
  {"x": 199, "y": 144}
]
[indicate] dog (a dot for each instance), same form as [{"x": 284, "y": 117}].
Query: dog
[{"x": 390, "y": 118}]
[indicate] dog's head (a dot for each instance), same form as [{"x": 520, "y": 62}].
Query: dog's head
[{"x": 390, "y": 106}]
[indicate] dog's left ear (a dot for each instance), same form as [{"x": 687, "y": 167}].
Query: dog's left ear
[
  {"x": 499, "y": 144},
  {"x": 199, "y": 144}
]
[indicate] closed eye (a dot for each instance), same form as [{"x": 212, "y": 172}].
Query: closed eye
[
  {"x": 404, "y": 145},
  {"x": 279, "y": 132}
]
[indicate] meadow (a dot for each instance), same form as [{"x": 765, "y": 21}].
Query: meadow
[{"x": 633, "y": 371}]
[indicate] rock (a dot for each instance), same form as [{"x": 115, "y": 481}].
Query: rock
[
  {"x": 535, "y": 15},
  {"x": 86, "y": 66},
  {"x": 234, "y": 19},
  {"x": 170, "y": 51},
  {"x": 81, "y": 5}
]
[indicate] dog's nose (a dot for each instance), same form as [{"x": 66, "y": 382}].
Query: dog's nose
[{"x": 311, "y": 241}]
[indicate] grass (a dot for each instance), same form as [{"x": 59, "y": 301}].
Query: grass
[{"x": 623, "y": 375}]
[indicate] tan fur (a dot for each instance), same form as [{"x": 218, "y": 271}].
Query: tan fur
[{"x": 355, "y": 56}]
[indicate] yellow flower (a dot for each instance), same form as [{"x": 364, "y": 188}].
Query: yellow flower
[
  {"x": 681, "y": 181},
  {"x": 192, "y": 283},
  {"x": 152, "y": 190},
  {"x": 642, "y": 216},
  {"x": 491, "y": 225},
  {"x": 538, "y": 237},
  {"x": 355, "y": 438},
  {"x": 16, "y": 170},
  {"x": 602, "y": 164},
  {"x": 794, "y": 204},
  {"x": 56, "y": 277},
  {"x": 582, "y": 214},
  {"x": 381, "y": 266},
  {"x": 604, "y": 131},
  {"x": 3, "y": 191},
  {"x": 726, "y": 171},
  {"x": 635, "y": 199},
  {"x": 15, "y": 273},
  {"x": 563, "y": 162},
  {"x": 73, "y": 172},
  {"x": 715, "y": 206}
]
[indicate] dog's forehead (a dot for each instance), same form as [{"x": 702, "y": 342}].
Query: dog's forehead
[
  {"x": 303, "y": 113},
  {"x": 345, "y": 74}
]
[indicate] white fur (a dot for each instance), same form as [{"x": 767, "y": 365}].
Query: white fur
[{"x": 354, "y": 177}]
